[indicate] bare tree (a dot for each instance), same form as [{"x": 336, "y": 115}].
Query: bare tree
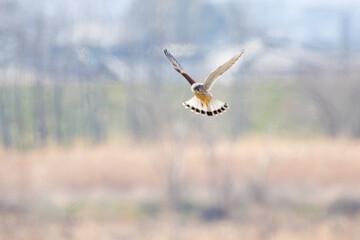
[
  {"x": 58, "y": 112},
  {"x": 4, "y": 119},
  {"x": 40, "y": 114}
]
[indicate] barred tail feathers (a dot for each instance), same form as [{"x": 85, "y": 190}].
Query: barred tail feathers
[{"x": 214, "y": 108}]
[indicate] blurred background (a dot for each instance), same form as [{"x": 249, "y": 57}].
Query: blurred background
[{"x": 94, "y": 141}]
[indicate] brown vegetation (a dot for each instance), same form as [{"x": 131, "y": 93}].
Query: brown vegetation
[{"x": 254, "y": 188}]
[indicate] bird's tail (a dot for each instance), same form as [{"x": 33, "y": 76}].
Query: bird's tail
[{"x": 213, "y": 108}]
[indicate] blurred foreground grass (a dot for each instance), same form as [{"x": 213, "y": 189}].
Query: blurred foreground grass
[{"x": 251, "y": 188}]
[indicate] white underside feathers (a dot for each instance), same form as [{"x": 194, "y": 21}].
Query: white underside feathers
[{"x": 214, "y": 108}]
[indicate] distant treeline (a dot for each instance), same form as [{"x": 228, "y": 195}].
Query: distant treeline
[{"x": 39, "y": 113}]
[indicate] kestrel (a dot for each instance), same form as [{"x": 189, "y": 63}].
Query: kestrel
[{"x": 203, "y": 102}]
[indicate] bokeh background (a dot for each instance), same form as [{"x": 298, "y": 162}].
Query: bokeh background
[{"x": 95, "y": 144}]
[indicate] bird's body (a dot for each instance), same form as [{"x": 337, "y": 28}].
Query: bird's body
[
  {"x": 203, "y": 102},
  {"x": 200, "y": 92}
]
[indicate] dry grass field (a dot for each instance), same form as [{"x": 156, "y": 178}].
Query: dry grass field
[{"x": 251, "y": 188}]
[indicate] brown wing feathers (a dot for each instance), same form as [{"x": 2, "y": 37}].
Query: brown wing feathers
[{"x": 177, "y": 67}]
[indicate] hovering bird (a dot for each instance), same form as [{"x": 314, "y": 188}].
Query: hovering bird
[{"x": 203, "y": 102}]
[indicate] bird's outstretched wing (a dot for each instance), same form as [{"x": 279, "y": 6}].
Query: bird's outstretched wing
[
  {"x": 177, "y": 67},
  {"x": 211, "y": 78}
]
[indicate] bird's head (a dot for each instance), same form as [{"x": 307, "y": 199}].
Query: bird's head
[{"x": 197, "y": 87}]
